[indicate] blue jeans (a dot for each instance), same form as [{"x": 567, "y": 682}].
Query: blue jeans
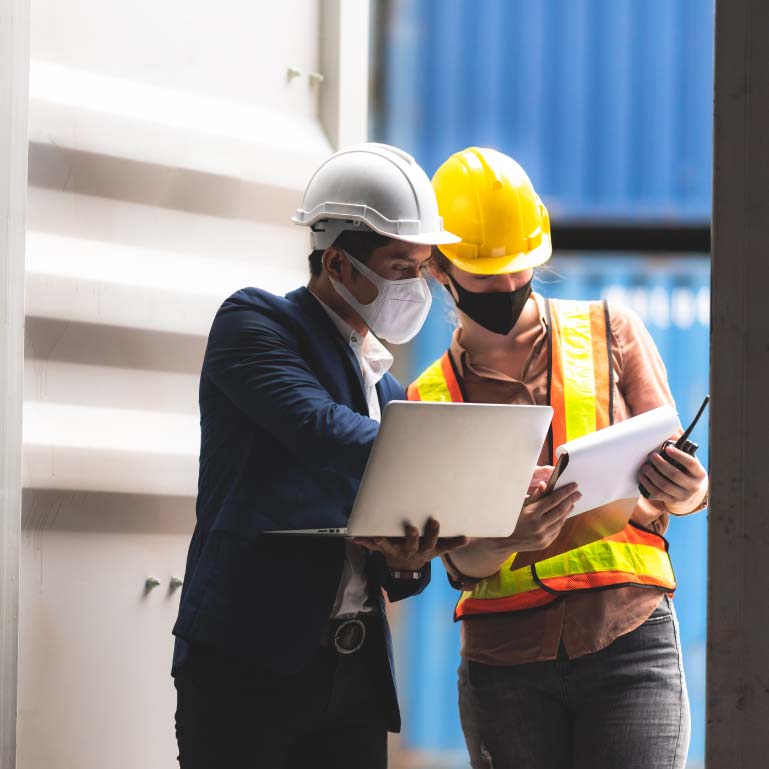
[{"x": 624, "y": 707}]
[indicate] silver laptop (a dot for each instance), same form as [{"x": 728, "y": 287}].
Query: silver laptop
[{"x": 468, "y": 465}]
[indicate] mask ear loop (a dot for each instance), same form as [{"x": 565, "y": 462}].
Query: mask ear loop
[
  {"x": 378, "y": 281},
  {"x": 448, "y": 288},
  {"x": 368, "y": 312}
]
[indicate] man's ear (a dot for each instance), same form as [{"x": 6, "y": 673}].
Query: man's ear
[{"x": 333, "y": 261}]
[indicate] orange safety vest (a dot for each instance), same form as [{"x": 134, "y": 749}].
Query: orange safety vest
[{"x": 580, "y": 389}]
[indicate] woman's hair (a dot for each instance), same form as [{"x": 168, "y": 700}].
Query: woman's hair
[
  {"x": 443, "y": 264},
  {"x": 439, "y": 261}
]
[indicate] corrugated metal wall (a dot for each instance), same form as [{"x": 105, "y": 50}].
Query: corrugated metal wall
[
  {"x": 168, "y": 149},
  {"x": 606, "y": 103},
  {"x": 672, "y": 296}
]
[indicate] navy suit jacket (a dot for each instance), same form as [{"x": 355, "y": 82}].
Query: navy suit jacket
[{"x": 285, "y": 436}]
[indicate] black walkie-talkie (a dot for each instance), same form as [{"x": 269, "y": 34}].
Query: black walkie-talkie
[{"x": 682, "y": 444}]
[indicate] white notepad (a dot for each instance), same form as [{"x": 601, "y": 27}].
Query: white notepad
[{"x": 606, "y": 463}]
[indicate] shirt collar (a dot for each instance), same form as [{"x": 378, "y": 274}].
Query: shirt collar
[
  {"x": 365, "y": 346},
  {"x": 540, "y": 300},
  {"x": 342, "y": 326}
]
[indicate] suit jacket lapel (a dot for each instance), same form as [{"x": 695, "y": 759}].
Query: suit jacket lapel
[
  {"x": 326, "y": 329},
  {"x": 381, "y": 394}
]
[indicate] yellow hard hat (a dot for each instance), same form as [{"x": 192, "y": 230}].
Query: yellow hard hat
[{"x": 487, "y": 199}]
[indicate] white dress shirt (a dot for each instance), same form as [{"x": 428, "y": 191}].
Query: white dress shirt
[{"x": 375, "y": 361}]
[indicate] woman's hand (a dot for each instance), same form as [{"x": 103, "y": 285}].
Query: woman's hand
[
  {"x": 539, "y": 523},
  {"x": 680, "y": 490},
  {"x": 412, "y": 553},
  {"x": 542, "y": 516},
  {"x": 541, "y": 474}
]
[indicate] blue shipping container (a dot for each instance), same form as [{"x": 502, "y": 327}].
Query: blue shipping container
[{"x": 606, "y": 103}]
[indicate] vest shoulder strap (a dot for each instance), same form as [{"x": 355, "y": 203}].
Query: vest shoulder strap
[{"x": 580, "y": 379}]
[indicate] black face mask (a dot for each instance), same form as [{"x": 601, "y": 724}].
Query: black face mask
[{"x": 497, "y": 311}]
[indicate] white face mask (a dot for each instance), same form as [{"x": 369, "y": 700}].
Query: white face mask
[{"x": 399, "y": 309}]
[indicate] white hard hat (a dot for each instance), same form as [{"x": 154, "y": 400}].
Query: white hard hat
[{"x": 372, "y": 186}]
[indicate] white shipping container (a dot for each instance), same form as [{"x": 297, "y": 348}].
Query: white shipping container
[{"x": 169, "y": 145}]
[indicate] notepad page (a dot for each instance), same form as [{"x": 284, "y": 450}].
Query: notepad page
[{"x": 606, "y": 463}]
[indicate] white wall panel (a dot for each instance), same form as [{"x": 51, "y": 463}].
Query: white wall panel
[
  {"x": 14, "y": 71},
  {"x": 168, "y": 149},
  {"x": 94, "y": 681},
  {"x": 234, "y": 49}
]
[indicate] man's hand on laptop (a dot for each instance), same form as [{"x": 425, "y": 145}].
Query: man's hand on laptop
[{"x": 412, "y": 552}]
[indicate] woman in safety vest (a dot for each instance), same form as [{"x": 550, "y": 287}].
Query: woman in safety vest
[{"x": 574, "y": 661}]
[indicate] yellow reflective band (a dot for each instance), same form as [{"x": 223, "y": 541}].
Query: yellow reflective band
[
  {"x": 432, "y": 385},
  {"x": 598, "y": 557},
  {"x": 503, "y": 583},
  {"x": 578, "y": 372},
  {"x": 632, "y": 558}
]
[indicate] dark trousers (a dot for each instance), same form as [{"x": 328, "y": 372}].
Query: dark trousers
[
  {"x": 624, "y": 706},
  {"x": 234, "y": 716}
]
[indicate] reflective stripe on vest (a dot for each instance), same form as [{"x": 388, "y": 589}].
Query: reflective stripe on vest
[
  {"x": 580, "y": 390},
  {"x": 438, "y": 383},
  {"x": 579, "y": 369}
]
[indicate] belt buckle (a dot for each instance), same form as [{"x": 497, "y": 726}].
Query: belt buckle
[{"x": 349, "y": 636}]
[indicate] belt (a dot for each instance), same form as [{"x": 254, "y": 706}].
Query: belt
[{"x": 348, "y": 634}]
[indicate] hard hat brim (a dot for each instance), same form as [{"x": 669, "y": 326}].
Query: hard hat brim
[
  {"x": 440, "y": 238},
  {"x": 436, "y": 238},
  {"x": 503, "y": 265}
]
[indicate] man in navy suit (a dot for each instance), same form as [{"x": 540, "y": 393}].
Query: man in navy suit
[{"x": 283, "y": 654}]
